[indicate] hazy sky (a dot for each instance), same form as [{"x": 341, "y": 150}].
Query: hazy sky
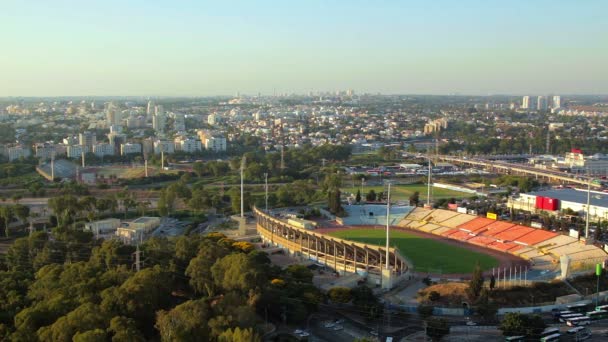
[{"x": 198, "y": 48}]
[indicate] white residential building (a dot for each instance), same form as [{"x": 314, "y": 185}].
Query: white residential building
[
  {"x": 159, "y": 121},
  {"x": 18, "y": 151},
  {"x": 130, "y": 148},
  {"x": 44, "y": 151},
  {"x": 76, "y": 151},
  {"x": 215, "y": 143},
  {"x": 164, "y": 146},
  {"x": 188, "y": 145},
  {"x": 103, "y": 149}
]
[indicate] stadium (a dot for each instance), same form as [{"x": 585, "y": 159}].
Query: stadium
[{"x": 436, "y": 242}]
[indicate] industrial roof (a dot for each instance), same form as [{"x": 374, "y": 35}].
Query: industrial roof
[{"x": 599, "y": 199}]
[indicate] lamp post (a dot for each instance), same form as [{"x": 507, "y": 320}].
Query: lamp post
[
  {"x": 388, "y": 213},
  {"x": 266, "y": 188},
  {"x": 598, "y": 273}
]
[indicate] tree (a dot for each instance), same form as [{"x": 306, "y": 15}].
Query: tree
[
  {"x": 436, "y": 328},
  {"x": 370, "y": 196},
  {"x": 518, "y": 324},
  {"x": 185, "y": 322},
  {"x": 415, "y": 199},
  {"x": 476, "y": 283},
  {"x": 6, "y": 214},
  {"x": 86, "y": 317},
  {"x": 96, "y": 335},
  {"x": 425, "y": 310},
  {"x": 140, "y": 296},
  {"x": 236, "y": 272},
  {"x": 484, "y": 308},
  {"x": 199, "y": 268},
  {"x": 365, "y": 301},
  {"x": 434, "y": 296},
  {"x": 239, "y": 335},
  {"x": 124, "y": 329},
  {"x": 358, "y": 196},
  {"x": 199, "y": 168},
  {"x": 340, "y": 294},
  {"x": 21, "y": 211},
  {"x": 142, "y": 207}
]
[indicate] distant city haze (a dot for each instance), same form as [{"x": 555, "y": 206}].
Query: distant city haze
[{"x": 204, "y": 48}]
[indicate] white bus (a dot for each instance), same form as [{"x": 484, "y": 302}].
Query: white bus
[
  {"x": 564, "y": 318},
  {"x": 574, "y": 331},
  {"x": 576, "y": 321},
  {"x": 551, "y": 338}
]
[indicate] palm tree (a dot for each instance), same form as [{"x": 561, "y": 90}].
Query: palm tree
[
  {"x": 142, "y": 207},
  {"x": 6, "y": 214}
]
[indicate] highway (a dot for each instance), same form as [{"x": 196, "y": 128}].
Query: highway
[{"x": 510, "y": 168}]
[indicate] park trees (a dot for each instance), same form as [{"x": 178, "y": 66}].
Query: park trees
[
  {"x": 518, "y": 324},
  {"x": 199, "y": 269},
  {"x": 415, "y": 199},
  {"x": 6, "y": 214},
  {"x": 185, "y": 322},
  {"x": 436, "y": 328},
  {"x": 340, "y": 294},
  {"x": 239, "y": 335},
  {"x": 371, "y": 196},
  {"x": 236, "y": 272},
  {"x": 476, "y": 283}
]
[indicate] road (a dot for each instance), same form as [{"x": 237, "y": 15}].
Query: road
[{"x": 521, "y": 168}]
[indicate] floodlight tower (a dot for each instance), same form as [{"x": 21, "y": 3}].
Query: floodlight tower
[
  {"x": 266, "y": 188},
  {"x": 587, "y": 210},
  {"x": 428, "y": 190},
  {"x": 388, "y": 212},
  {"x": 243, "y": 162}
]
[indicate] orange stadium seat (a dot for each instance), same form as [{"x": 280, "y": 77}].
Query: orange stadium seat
[
  {"x": 495, "y": 228},
  {"x": 536, "y": 236},
  {"x": 476, "y": 225}
]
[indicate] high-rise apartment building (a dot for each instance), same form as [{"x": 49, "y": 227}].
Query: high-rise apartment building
[
  {"x": 557, "y": 102},
  {"x": 525, "y": 102},
  {"x": 541, "y": 103},
  {"x": 159, "y": 121},
  {"x": 150, "y": 108}
]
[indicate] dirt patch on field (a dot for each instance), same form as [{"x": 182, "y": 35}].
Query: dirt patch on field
[{"x": 449, "y": 293}]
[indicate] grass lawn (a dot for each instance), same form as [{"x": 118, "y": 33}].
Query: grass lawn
[
  {"x": 403, "y": 192},
  {"x": 427, "y": 255},
  {"x": 124, "y": 172}
]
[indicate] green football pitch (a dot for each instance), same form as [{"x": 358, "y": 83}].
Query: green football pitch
[
  {"x": 427, "y": 255},
  {"x": 403, "y": 192}
]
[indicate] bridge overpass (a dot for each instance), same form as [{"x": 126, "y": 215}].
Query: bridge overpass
[{"x": 520, "y": 169}]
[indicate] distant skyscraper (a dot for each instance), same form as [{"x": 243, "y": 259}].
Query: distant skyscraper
[
  {"x": 557, "y": 102},
  {"x": 150, "y": 109},
  {"x": 541, "y": 103},
  {"x": 525, "y": 102},
  {"x": 159, "y": 120},
  {"x": 159, "y": 109},
  {"x": 114, "y": 116}
]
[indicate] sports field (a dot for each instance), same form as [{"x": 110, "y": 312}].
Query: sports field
[
  {"x": 125, "y": 172},
  {"x": 428, "y": 255},
  {"x": 403, "y": 192}
]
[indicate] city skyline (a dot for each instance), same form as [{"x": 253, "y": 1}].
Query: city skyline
[{"x": 189, "y": 49}]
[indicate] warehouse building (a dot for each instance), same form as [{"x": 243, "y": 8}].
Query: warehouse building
[{"x": 556, "y": 200}]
